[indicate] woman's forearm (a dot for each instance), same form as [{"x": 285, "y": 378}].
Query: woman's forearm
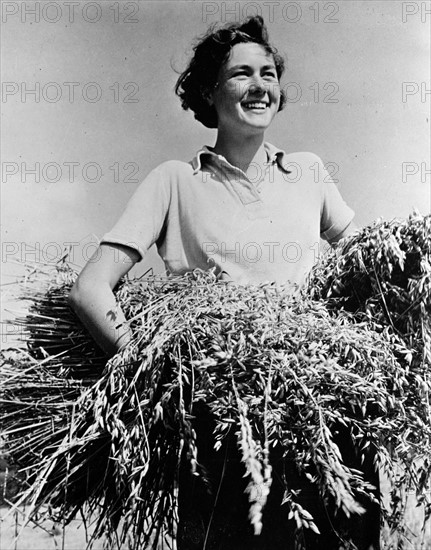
[{"x": 102, "y": 316}]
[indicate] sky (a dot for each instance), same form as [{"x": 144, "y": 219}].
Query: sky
[{"x": 88, "y": 108}]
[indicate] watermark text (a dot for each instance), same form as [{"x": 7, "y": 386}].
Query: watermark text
[
  {"x": 71, "y": 171},
  {"x": 71, "y": 92},
  {"x": 411, "y": 11},
  {"x": 416, "y": 170},
  {"x": 70, "y": 12},
  {"x": 415, "y": 91},
  {"x": 290, "y": 12}
]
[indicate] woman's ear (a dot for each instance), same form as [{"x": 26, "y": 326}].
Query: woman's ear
[{"x": 208, "y": 96}]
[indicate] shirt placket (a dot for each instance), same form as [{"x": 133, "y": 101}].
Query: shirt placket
[{"x": 247, "y": 192}]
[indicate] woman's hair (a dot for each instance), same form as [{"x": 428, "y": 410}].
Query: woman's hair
[{"x": 200, "y": 78}]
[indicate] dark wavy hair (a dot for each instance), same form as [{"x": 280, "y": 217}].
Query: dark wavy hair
[{"x": 200, "y": 78}]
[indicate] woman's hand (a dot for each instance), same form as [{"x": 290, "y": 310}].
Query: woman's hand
[{"x": 93, "y": 300}]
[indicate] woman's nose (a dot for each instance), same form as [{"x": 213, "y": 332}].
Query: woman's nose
[{"x": 257, "y": 86}]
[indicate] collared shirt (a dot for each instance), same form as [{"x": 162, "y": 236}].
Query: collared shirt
[{"x": 261, "y": 226}]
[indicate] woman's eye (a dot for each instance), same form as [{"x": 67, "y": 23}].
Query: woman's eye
[{"x": 270, "y": 75}]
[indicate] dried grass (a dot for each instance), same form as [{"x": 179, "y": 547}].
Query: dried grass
[{"x": 273, "y": 370}]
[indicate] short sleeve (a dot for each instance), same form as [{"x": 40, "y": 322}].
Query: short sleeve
[
  {"x": 144, "y": 217},
  {"x": 336, "y": 215}
]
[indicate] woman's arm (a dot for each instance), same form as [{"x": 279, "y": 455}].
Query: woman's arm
[{"x": 93, "y": 300}]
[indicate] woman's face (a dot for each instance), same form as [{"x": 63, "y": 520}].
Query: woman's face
[{"x": 248, "y": 92}]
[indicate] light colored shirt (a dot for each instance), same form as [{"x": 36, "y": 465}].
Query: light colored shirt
[{"x": 263, "y": 226}]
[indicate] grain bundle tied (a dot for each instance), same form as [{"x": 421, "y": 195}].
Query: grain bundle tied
[{"x": 279, "y": 374}]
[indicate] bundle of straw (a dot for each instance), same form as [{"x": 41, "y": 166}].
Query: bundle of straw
[
  {"x": 277, "y": 372},
  {"x": 36, "y": 406},
  {"x": 51, "y": 328},
  {"x": 383, "y": 274}
]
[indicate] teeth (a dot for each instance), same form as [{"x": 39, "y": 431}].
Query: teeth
[{"x": 255, "y": 105}]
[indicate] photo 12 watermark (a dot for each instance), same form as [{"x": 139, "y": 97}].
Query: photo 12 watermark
[
  {"x": 70, "y": 171},
  {"x": 415, "y": 91},
  {"x": 54, "y": 252},
  {"x": 253, "y": 252},
  {"x": 293, "y": 92},
  {"x": 293, "y": 173},
  {"x": 69, "y": 92},
  {"x": 12, "y": 333},
  {"x": 415, "y": 11},
  {"x": 69, "y": 12},
  {"x": 418, "y": 171},
  {"x": 289, "y": 12}
]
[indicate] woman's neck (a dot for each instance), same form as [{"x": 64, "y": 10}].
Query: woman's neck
[{"x": 241, "y": 152}]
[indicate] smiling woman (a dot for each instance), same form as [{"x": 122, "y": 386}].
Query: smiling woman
[
  {"x": 253, "y": 213},
  {"x": 247, "y": 95}
]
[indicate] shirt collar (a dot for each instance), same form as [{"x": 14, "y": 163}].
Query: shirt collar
[{"x": 274, "y": 155}]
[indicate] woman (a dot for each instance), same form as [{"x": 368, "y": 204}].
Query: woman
[{"x": 243, "y": 207}]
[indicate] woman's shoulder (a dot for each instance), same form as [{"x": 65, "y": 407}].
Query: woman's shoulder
[
  {"x": 174, "y": 168},
  {"x": 301, "y": 157},
  {"x": 292, "y": 158}
]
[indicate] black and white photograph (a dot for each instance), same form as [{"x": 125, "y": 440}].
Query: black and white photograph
[{"x": 215, "y": 275}]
